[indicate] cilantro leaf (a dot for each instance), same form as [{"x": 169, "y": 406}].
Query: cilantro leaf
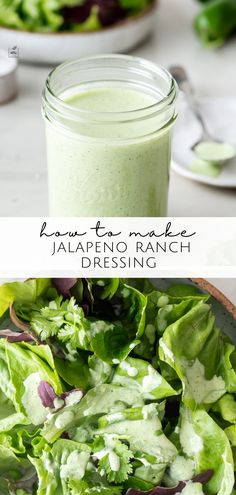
[
  {"x": 64, "y": 320},
  {"x": 114, "y": 458}
]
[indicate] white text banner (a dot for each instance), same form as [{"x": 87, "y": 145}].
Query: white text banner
[{"x": 123, "y": 247}]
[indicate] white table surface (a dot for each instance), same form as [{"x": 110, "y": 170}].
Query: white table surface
[
  {"x": 22, "y": 147},
  {"x": 226, "y": 286}
]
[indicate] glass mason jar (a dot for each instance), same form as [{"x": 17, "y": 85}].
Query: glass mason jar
[{"x": 108, "y": 130}]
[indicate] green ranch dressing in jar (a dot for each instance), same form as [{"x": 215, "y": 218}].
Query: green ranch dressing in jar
[{"x": 108, "y": 130}]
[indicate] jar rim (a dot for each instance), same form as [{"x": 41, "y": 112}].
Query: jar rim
[{"x": 74, "y": 113}]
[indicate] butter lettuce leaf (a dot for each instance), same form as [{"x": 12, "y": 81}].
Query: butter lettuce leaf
[
  {"x": 27, "y": 366},
  {"x": 83, "y": 488},
  {"x": 141, "y": 428},
  {"x": 140, "y": 375},
  {"x": 98, "y": 401},
  {"x": 74, "y": 373},
  {"x": 226, "y": 407},
  {"x": 23, "y": 292},
  {"x": 162, "y": 310},
  {"x": 186, "y": 346},
  {"x": 66, "y": 468},
  {"x": 99, "y": 371},
  {"x": 105, "y": 288},
  {"x": 66, "y": 461},
  {"x": 206, "y": 443},
  {"x": 12, "y": 469}
]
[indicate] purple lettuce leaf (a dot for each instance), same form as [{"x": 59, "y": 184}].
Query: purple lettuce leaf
[
  {"x": 109, "y": 12},
  {"x": 16, "y": 336},
  {"x": 202, "y": 478},
  {"x": 81, "y": 291},
  {"x": 48, "y": 395},
  {"x": 77, "y": 14},
  {"x": 159, "y": 490},
  {"x": 27, "y": 335},
  {"x": 64, "y": 285},
  {"x": 88, "y": 299}
]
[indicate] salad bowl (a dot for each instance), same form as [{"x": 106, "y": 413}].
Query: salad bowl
[
  {"x": 224, "y": 310},
  {"x": 54, "y": 48},
  {"x": 116, "y": 387}
]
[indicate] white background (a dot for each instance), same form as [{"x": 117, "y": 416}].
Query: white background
[
  {"x": 23, "y": 253},
  {"x": 227, "y": 286}
]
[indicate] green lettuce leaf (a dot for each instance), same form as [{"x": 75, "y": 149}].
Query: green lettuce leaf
[
  {"x": 74, "y": 373},
  {"x": 105, "y": 288},
  {"x": 99, "y": 371},
  {"x": 230, "y": 431},
  {"x": 5, "y": 379},
  {"x": 206, "y": 443},
  {"x": 226, "y": 407},
  {"x": 12, "y": 469},
  {"x": 83, "y": 488},
  {"x": 186, "y": 346},
  {"x": 134, "y": 5},
  {"x": 17, "y": 439},
  {"x": 98, "y": 401},
  {"x": 141, "y": 428},
  {"x": 162, "y": 310},
  {"x": 34, "y": 15},
  {"x": 140, "y": 375},
  {"x": 27, "y": 366},
  {"x": 23, "y": 292},
  {"x": 10, "y": 14},
  {"x": 178, "y": 292},
  {"x": 125, "y": 310},
  {"x": 65, "y": 462},
  {"x": 67, "y": 468},
  {"x": 6, "y": 408}
]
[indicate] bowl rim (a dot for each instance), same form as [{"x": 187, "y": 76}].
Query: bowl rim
[
  {"x": 122, "y": 23},
  {"x": 216, "y": 294}
]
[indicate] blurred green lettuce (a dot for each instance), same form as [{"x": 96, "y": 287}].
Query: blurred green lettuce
[{"x": 52, "y": 15}]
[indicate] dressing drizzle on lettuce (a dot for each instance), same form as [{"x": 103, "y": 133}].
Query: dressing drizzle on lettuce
[{"x": 114, "y": 388}]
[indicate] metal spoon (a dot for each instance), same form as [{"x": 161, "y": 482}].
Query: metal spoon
[{"x": 184, "y": 84}]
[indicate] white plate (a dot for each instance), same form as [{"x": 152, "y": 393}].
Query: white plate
[
  {"x": 54, "y": 48},
  {"x": 220, "y": 118}
]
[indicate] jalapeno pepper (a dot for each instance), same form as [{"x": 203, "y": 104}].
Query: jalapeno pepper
[{"x": 216, "y": 22}]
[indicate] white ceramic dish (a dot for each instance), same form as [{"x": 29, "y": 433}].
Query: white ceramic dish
[
  {"x": 220, "y": 119},
  {"x": 54, "y": 48},
  {"x": 8, "y": 80}
]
